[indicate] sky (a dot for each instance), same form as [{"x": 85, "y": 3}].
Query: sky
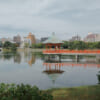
[{"x": 66, "y": 18}]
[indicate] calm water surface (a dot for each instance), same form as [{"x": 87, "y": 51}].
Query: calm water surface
[{"x": 28, "y": 68}]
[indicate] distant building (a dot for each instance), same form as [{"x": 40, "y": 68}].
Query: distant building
[
  {"x": 3, "y": 40},
  {"x": 38, "y": 41},
  {"x": 30, "y": 39},
  {"x": 17, "y": 39},
  {"x": 27, "y": 41},
  {"x": 43, "y": 39},
  {"x": 75, "y": 38},
  {"x": 91, "y": 37}
]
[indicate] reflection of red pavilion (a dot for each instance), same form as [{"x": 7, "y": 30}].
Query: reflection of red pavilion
[
  {"x": 59, "y": 65},
  {"x": 53, "y": 72}
]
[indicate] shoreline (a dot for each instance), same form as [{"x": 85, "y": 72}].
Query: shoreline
[
  {"x": 29, "y": 49},
  {"x": 74, "y": 93}
]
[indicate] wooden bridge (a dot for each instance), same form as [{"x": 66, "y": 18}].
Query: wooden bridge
[{"x": 72, "y": 52}]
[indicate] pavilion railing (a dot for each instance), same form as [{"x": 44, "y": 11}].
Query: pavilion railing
[{"x": 72, "y": 51}]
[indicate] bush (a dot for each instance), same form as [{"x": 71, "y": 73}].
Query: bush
[{"x": 22, "y": 92}]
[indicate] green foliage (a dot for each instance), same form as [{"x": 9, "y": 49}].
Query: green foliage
[
  {"x": 0, "y": 44},
  {"x": 80, "y": 45},
  {"x": 22, "y": 92},
  {"x": 77, "y": 45},
  {"x": 26, "y": 45},
  {"x": 65, "y": 44},
  {"x": 39, "y": 45},
  {"x": 8, "y": 46},
  {"x": 13, "y": 47},
  {"x": 94, "y": 45}
]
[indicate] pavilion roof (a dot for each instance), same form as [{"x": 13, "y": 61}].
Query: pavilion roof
[{"x": 53, "y": 40}]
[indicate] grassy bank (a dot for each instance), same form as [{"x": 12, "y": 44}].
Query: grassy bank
[
  {"x": 28, "y": 92},
  {"x": 78, "y": 93}
]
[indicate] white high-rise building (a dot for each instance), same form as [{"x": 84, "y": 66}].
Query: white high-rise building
[{"x": 91, "y": 37}]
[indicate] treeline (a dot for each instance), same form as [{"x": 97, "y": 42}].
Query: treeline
[
  {"x": 39, "y": 45},
  {"x": 8, "y": 46},
  {"x": 22, "y": 92},
  {"x": 80, "y": 45}
]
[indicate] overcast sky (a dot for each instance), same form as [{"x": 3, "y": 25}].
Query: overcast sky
[{"x": 42, "y": 17}]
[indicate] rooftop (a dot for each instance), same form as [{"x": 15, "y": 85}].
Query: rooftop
[{"x": 53, "y": 40}]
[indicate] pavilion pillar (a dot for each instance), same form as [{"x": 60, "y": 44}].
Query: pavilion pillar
[
  {"x": 55, "y": 47},
  {"x": 46, "y": 46},
  {"x": 49, "y": 46},
  {"x": 59, "y": 46}
]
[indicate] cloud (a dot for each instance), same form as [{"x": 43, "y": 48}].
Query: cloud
[{"x": 43, "y": 17}]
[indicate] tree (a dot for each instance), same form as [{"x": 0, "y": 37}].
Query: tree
[
  {"x": 7, "y": 45},
  {"x": 10, "y": 46},
  {"x": 0, "y": 44},
  {"x": 75, "y": 45},
  {"x": 26, "y": 45},
  {"x": 13, "y": 47},
  {"x": 65, "y": 45},
  {"x": 39, "y": 45}
]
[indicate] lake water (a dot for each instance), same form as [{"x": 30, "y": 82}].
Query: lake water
[{"x": 28, "y": 68}]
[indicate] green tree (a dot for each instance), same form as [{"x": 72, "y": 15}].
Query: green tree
[
  {"x": 26, "y": 45},
  {"x": 80, "y": 45},
  {"x": 65, "y": 45},
  {"x": 39, "y": 45},
  {"x": 13, "y": 47},
  {"x": 7, "y": 45},
  {"x": 10, "y": 46},
  {"x": 22, "y": 92},
  {"x": 0, "y": 44}
]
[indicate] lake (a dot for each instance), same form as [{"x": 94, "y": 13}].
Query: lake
[{"x": 29, "y": 68}]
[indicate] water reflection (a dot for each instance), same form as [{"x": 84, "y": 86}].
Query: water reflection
[
  {"x": 19, "y": 57},
  {"x": 15, "y": 68},
  {"x": 32, "y": 60},
  {"x": 6, "y": 56},
  {"x": 54, "y": 69},
  {"x": 53, "y": 72},
  {"x": 98, "y": 75},
  {"x": 62, "y": 64}
]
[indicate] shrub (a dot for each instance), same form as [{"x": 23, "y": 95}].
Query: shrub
[{"x": 22, "y": 92}]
